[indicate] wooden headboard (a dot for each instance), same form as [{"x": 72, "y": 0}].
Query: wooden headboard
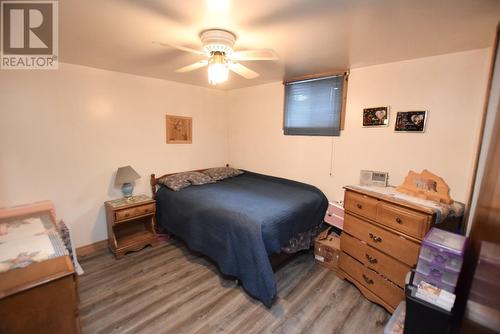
[{"x": 154, "y": 180}]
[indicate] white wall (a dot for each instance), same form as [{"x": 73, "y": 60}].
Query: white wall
[
  {"x": 451, "y": 87},
  {"x": 64, "y": 133}
]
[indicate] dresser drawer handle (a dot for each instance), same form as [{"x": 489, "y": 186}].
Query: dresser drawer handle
[
  {"x": 367, "y": 280},
  {"x": 146, "y": 210},
  {"x": 375, "y": 238},
  {"x": 371, "y": 259},
  {"x": 399, "y": 220},
  {"x": 127, "y": 214},
  {"x": 359, "y": 206},
  {"x": 328, "y": 214}
]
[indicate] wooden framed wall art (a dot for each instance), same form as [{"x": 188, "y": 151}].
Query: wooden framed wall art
[{"x": 179, "y": 129}]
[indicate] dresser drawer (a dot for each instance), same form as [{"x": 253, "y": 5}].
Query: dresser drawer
[
  {"x": 372, "y": 258},
  {"x": 134, "y": 212},
  {"x": 404, "y": 220},
  {"x": 390, "y": 243},
  {"x": 383, "y": 288},
  {"x": 361, "y": 204}
]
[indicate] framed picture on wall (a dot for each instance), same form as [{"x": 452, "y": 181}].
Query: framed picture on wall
[
  {"x": 378, "y": 116},
  {"x": 410, "y": 121},
  {"x": 179, "y": 129}
]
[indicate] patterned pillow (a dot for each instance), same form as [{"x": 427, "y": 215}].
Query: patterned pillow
[
  {"x": 197, "y": 178},
  {"x": 180, "y": 181},
  {"x": 221, "y": 173}
]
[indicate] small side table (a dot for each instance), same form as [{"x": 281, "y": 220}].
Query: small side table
[{"x": 130, "y": 224}]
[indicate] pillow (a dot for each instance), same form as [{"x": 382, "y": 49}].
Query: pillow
[
  {"x": 221, "y": 173},
  {"x": 180, "y": 181}
]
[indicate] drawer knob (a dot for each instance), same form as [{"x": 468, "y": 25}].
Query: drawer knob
[
  {"x": 127, "y": 214},
  {"x": 375, "y": 238},
  {"x": 146, "y": 210},
  {"x": 367, "y": 279},
  {"x": 371, "y": 259},
  {"x": 399, "y": 220},
  {"x": 359, "y": 206}
]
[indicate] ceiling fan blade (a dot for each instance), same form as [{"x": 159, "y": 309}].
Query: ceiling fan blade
[
  {"x": 262, "y": 54},
  {"x": 182, "y": 48},
  {"x": 192, "y": 67},
  {"x": 243, "y": 71}
]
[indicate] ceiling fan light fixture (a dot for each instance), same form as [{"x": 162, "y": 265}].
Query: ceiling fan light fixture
[
  {"x": 218, "y": 70},
  {"x": 217, "y": 40}
]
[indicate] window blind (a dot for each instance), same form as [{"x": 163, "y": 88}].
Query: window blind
[{"x": 313, "y": 107}]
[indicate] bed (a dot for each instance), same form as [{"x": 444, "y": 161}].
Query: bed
[{"x": 238, "y": 222}]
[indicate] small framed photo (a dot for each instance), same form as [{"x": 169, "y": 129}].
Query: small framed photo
[
  {"x": 410, "y": 121},
  {"x": 376, "y": 116},
  {"x": 179, "y": 129}
]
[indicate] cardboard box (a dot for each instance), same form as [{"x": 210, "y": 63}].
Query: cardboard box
[{"x": 327, "y": 250}]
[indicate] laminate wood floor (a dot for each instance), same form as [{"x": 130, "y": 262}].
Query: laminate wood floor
[{"x": 167, "y": 289}]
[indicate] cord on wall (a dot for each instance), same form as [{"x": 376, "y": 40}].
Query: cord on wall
[{"x": 331, "y": 159}]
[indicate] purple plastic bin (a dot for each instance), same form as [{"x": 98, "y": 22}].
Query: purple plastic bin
[
  {"x": 443, "y": 249},
  {"x": 437, "y": 273},
  {"x": 437, "y": 282}
]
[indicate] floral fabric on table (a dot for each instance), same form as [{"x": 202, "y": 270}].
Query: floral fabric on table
[{"x": 24, "y": 241}]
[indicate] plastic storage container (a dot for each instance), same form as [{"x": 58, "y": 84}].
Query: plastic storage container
[
  {"x": 437, "y": 273},
  {"x": 443, "y": 249},
  {"x": 432, "y": 280},
  {"x": 396, "y": 323}
]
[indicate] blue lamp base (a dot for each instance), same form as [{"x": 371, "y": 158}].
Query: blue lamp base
[{"x": 127, "y": 189}]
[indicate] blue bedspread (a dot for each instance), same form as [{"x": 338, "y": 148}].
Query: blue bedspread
[{"x": 239, "y": 221}]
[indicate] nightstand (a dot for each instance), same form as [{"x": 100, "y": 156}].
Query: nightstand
[{"x": 130, "y": 224}]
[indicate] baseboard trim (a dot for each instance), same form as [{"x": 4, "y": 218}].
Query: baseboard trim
[{"x": 92, "y": 248}]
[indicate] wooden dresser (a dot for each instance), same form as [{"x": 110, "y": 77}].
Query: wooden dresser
[
  {"x": 40, "y": 298},
  {"x": 38, "y": 283},
  {"x": 380, "y": 243}
]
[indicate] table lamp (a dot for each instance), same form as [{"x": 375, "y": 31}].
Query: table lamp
[{"x": 124, "y": 177}]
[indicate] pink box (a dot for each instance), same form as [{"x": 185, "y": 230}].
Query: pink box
[{"x": 335, "y": 215}]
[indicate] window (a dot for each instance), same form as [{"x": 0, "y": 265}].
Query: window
[{"x": 314, "y": 107}]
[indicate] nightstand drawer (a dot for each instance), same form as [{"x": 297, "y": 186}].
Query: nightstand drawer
[
  {"x": 372, "y": 258},
  {"x": 404, "y": 220},
  {"x": 360, "y": 204},
  {"x": 386, "y": 241},
  {"x": 389, "y": 292},
  {"x": 134, "y": 212}
]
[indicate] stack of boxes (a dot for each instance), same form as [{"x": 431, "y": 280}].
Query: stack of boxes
[
  {"x": 430, "y": 296},
  {"x": 327, "y": 244},
  {"x": 440, "y": 259}
]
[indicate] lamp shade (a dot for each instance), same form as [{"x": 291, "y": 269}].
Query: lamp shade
[{"x": 126, "y": 175}]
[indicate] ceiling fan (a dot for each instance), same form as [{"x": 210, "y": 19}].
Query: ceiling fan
[{"x": 221, "y": 57}]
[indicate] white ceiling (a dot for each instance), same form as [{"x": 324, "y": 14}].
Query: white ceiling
[{"x": 310, "y": 36}]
